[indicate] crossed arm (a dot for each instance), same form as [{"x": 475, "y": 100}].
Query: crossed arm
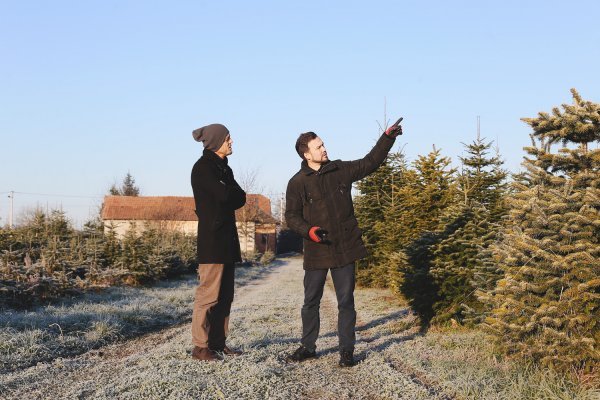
[{"x": 226, "y": 192}]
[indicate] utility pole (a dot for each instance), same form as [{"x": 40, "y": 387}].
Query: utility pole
[{"x": 11, "y": 196}]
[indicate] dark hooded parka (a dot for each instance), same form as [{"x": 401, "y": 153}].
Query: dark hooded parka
[
  {"x": 323, "y": 198},
  {"x": 217, "y": 196}
]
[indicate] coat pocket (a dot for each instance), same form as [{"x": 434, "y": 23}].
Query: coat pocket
[
  {"x": 218, "y": 218},
  {"x": 351, "y": 233},
  {"x": 342, "y": 188},
  {"x": 314, "y": 207},
  {"x": 217, "y": 224}
]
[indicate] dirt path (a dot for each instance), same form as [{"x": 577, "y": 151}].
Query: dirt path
[{"x": 266, "y": 324}]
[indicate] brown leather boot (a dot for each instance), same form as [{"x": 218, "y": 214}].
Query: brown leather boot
[
  {"x": 204, "y": 354},
  {"x": 231, "y": 352}
]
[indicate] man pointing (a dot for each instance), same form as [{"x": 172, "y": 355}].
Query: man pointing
[{"x": 319, "y": 207}]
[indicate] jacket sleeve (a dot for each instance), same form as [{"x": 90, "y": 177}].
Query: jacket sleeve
[
  {"x": 293, "y": 210},
  {"x": 359, "y": 169},
  {"x": 236, "y": 197},
  {"x": 229, "y": 193}
]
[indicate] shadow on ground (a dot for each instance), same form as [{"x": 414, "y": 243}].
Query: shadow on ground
[{"x": 388, "y": 337}]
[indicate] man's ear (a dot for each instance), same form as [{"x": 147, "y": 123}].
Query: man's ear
[{"x": 307, "y": 156}]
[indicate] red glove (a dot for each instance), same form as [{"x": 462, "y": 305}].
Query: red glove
[
  {"x": 317, "y": 234},
  {"x": 394, "y": 130}
]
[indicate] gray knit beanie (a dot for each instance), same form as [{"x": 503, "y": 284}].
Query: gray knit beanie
[{"x": 212, "y": 136}]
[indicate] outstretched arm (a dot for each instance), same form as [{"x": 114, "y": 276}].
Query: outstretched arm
[{"x": 360, "y": 168}]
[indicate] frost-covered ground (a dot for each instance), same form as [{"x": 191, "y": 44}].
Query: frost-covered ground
[
  {"x": 74, "y": 326},
  {"x": 395, "y": 362}
]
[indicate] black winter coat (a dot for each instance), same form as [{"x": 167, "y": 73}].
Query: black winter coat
[
  {"x": 217, "y": 196},
  {"x": 323, "y": 198}
]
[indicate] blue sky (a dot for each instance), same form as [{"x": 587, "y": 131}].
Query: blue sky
[{"x": 90, "y": 90}]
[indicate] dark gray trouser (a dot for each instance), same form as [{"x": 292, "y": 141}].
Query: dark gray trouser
[{"x": 343, "y": 282}]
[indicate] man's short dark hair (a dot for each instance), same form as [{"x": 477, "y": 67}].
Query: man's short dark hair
[{"x": 302, "y": 143}]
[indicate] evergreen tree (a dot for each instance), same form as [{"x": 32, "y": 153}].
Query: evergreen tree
[
  {"x": 369, "y": 208},
  {"x": 394, "y": 239},
  {"x": 33, "y": 234},
  {"x": 433, "y": 191},
  {"x": 372, "y": 208},
  {"x": 425, "y": 201},
  {"x": 93, "y": 246},
  {"x": 483, "y": 178},
  {"x": 132, "y": 257},
  {"x": 547, "y": 306},
  {"x": 457, "y": 261},
  {"x": 59, "y": 225},
  {"x": 111, "y": 249},
  {"x": 128, "y": 187},
  {"x": 461, "y": 263}
]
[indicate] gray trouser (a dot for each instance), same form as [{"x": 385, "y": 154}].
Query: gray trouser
[{"x": 343, "y": 282}]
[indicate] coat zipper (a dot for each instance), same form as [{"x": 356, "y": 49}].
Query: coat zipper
[{"x": 328, "y": 207}]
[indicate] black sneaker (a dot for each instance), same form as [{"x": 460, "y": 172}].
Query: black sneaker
[
  {"x": 301, "y": 354},
  {"x": 347, "y": 358}
]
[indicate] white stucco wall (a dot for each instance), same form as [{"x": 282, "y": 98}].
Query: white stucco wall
[{"x": 121, "y": 227}]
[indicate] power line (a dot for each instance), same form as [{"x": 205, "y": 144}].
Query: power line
[{"x": 59, "y": 195}]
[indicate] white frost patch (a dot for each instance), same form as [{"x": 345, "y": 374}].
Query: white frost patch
[{"x": 395, "y": 362}]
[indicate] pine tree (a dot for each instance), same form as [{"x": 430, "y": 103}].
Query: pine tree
[
  {"x": 388, "y": 253},
  {"x": 426, "y": 200},
  {"x": 483, "y": 178},
  {"x": 461, "y": 263},
  {"x": 370, "y": 206},
  {"x": 132, "y": 257},
  {"x": 547, "y": 306},
  {"x": 433, "y": 191},
  {"x": 457, "y": 260},
  {"x": 93, "y": 246},
  {"x": 112, "y": 249},
  {"x": 59, "y": 225},
  {"x": 128, "y": 187}
]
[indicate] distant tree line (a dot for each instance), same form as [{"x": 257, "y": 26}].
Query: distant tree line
[
  {"x": 46, "y": 257},
  {"x": 518, "y": 258}
]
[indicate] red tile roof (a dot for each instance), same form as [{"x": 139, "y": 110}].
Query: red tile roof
[{"x": 177, "y": 208}]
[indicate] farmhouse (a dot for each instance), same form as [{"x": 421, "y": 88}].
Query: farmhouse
[{"x": 255, "y": 223}]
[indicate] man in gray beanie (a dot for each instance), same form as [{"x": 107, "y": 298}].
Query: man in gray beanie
[
  {"x": 212, "y": 136},
  {"x": 217, "y": 196}
]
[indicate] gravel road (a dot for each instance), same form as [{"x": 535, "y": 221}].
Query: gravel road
[{"x": 266, "y": 325}]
